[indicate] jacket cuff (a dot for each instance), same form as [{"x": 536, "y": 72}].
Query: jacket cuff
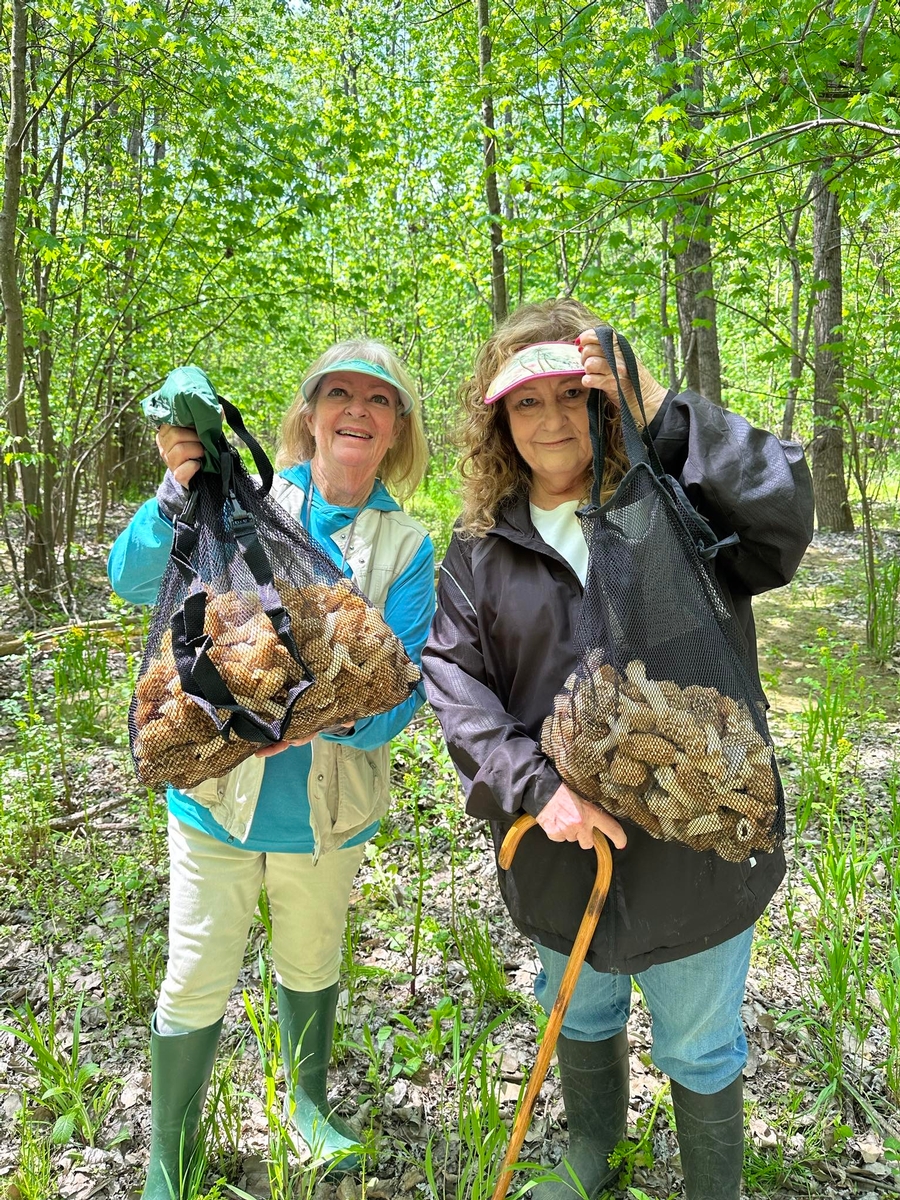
[
  {"x": 171, "y": 497},
  {"x": 541, "y": 790}
]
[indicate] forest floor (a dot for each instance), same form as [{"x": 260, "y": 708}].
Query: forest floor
[{"x": 87, "y": 911}]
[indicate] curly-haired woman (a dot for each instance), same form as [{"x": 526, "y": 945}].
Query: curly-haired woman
[{"x": 678, "y": 922}]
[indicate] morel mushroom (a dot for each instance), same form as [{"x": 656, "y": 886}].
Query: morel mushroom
[
  {"x": 356, "y": 664},
  {"x": 687, "y": 764}
]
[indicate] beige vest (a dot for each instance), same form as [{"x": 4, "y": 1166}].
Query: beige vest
[{"x": 348, "y": 788}]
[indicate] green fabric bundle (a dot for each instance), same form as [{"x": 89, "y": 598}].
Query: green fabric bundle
[{"x": 188, "y": 398}]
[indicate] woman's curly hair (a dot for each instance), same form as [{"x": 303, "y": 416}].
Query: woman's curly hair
[{"x": 493, "y": 471}]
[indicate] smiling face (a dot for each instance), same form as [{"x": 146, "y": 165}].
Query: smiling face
[
  {"x": 548, "y": 421},
  {"x": 355, "y": 421}
]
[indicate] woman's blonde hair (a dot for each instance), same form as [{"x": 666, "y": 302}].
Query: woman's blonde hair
[
  {"x": 493, "y": 471},
  {"x": 403, "y": 466}
]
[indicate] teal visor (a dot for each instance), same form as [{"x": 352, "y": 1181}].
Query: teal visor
[{"x": 362, "y": 367}]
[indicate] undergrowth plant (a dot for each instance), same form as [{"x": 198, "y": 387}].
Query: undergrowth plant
[
  {"x": 82, "y": 680},
  {"x": 227, "y": 1109},
  {"x": 70, "y": 1088},
  {"x": 287, "y": 1177},
  {"x": 883, "y": 625},
  {"x": 33, "y": 1176},
  {"x": 836, "y": 702},
  {"x": 842, "y": 905},
  {"x": 72, "y": 698},
  {"x": 473, "y": 1132},
  {"x": 831, "y": 951},
  {"x": 427, "y": 792},
  {"x": 477, "y": 950}
]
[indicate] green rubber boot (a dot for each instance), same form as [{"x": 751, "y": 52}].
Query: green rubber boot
[
  {"x": 306, "y": 1020},
  {"x": 711, "y": 1139},
  {"x": 180, "y": 1067},
  {"x": 594, "y": 1077}
]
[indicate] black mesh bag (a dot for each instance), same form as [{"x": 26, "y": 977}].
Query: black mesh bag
[
  {"x": 257, "y": 637},
  {"x": 663, "y": 720}
]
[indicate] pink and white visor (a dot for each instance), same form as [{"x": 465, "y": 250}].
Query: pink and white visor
[{"x": 535, "y": 362}]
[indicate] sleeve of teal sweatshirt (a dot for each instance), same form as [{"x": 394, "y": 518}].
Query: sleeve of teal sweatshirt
[
  {"x": 138, "y": 559},
  {"x": 408, "y": 611}
]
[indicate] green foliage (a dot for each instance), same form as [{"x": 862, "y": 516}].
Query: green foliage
[
  {"x": 72, "y": 1090},
  {"x": 473, "y": 1124},
  {"x": 477, "y": 951},
  {"x": 245, "y": 188},
  {"x": 437, "y": 505},
  {"x": 414, "y": 1048},
  {"x": 844, "y": 935},
  {"x": 884, "y": 625},
  {"x": 835, "y": 699},
  {"x": 82, "y": 680},
  {"x": 33, "y": 1179}
]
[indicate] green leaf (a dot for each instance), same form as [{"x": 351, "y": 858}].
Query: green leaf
[{"x": 63, "y": 1128}]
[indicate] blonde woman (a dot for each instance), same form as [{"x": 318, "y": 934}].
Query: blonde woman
[
  {"x": 295, "y": 822},
  {"x": 501, "y": 647}
]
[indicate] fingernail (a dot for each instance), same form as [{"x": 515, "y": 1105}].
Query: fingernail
[{"x": 578, "y": 342}]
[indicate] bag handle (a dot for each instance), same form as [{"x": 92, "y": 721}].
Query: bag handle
[
  {"x": 260, "y": 458},
  {"x": 199, "y": 675},
  {"x": 639, "y": 446},
  {"x": 242, "y": 526},
  {"x": 202, "y": 680}
]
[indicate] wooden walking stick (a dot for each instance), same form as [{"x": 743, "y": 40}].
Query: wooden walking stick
[{"x": 563, "y": 996}]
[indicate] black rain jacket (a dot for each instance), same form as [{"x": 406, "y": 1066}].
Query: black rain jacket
[{"x": 503, "y": 642}]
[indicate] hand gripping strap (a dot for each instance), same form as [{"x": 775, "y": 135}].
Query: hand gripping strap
[
  {"x": 199, "y": 675},
  {"x": 640, "y": 449}
]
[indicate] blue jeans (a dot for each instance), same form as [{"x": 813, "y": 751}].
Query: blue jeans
[{"x": 694, "y": 1003}]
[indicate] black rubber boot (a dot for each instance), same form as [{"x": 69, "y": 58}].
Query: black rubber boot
[
  {"x": 180, "y": 1066},
  {"x": 594, "y": 1077},
  {"x": 711, "y": 1139},
  {"x": 306, "y": 1020}
]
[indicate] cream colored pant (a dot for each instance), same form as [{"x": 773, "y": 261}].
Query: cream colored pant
[{"x": 214, "y": 888}]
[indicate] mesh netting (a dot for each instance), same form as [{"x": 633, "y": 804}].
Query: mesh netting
[
  {"x": 233, "y": 663},
  {"x": 662, "y": 722}
]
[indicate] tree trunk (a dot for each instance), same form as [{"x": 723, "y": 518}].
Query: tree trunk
[
  {"x": 832, "y": 505},
  {"x": 668, "y": 340},
  {"x": 499, "y": 295},
  {"x": 37, "y": 561},
  {"x": 694, "y": 283},
  {"x": 696, "y": 298}
]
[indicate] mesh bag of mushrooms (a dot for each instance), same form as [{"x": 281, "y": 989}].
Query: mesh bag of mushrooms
[
  {"x": 662, "y": 721},
  {"x": 257, "y": 637}
]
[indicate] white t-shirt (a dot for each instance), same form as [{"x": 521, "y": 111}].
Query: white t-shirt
[{"x": 561, "y": 529}]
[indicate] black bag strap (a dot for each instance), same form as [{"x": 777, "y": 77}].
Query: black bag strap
[
  {"x": 639, "y": 446},
  {"x": 199, "y": 675},
  {"x": 242, "y": 527},
  {"x": 201, "y": 679},
  {"x": 260, "y": 458}
]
